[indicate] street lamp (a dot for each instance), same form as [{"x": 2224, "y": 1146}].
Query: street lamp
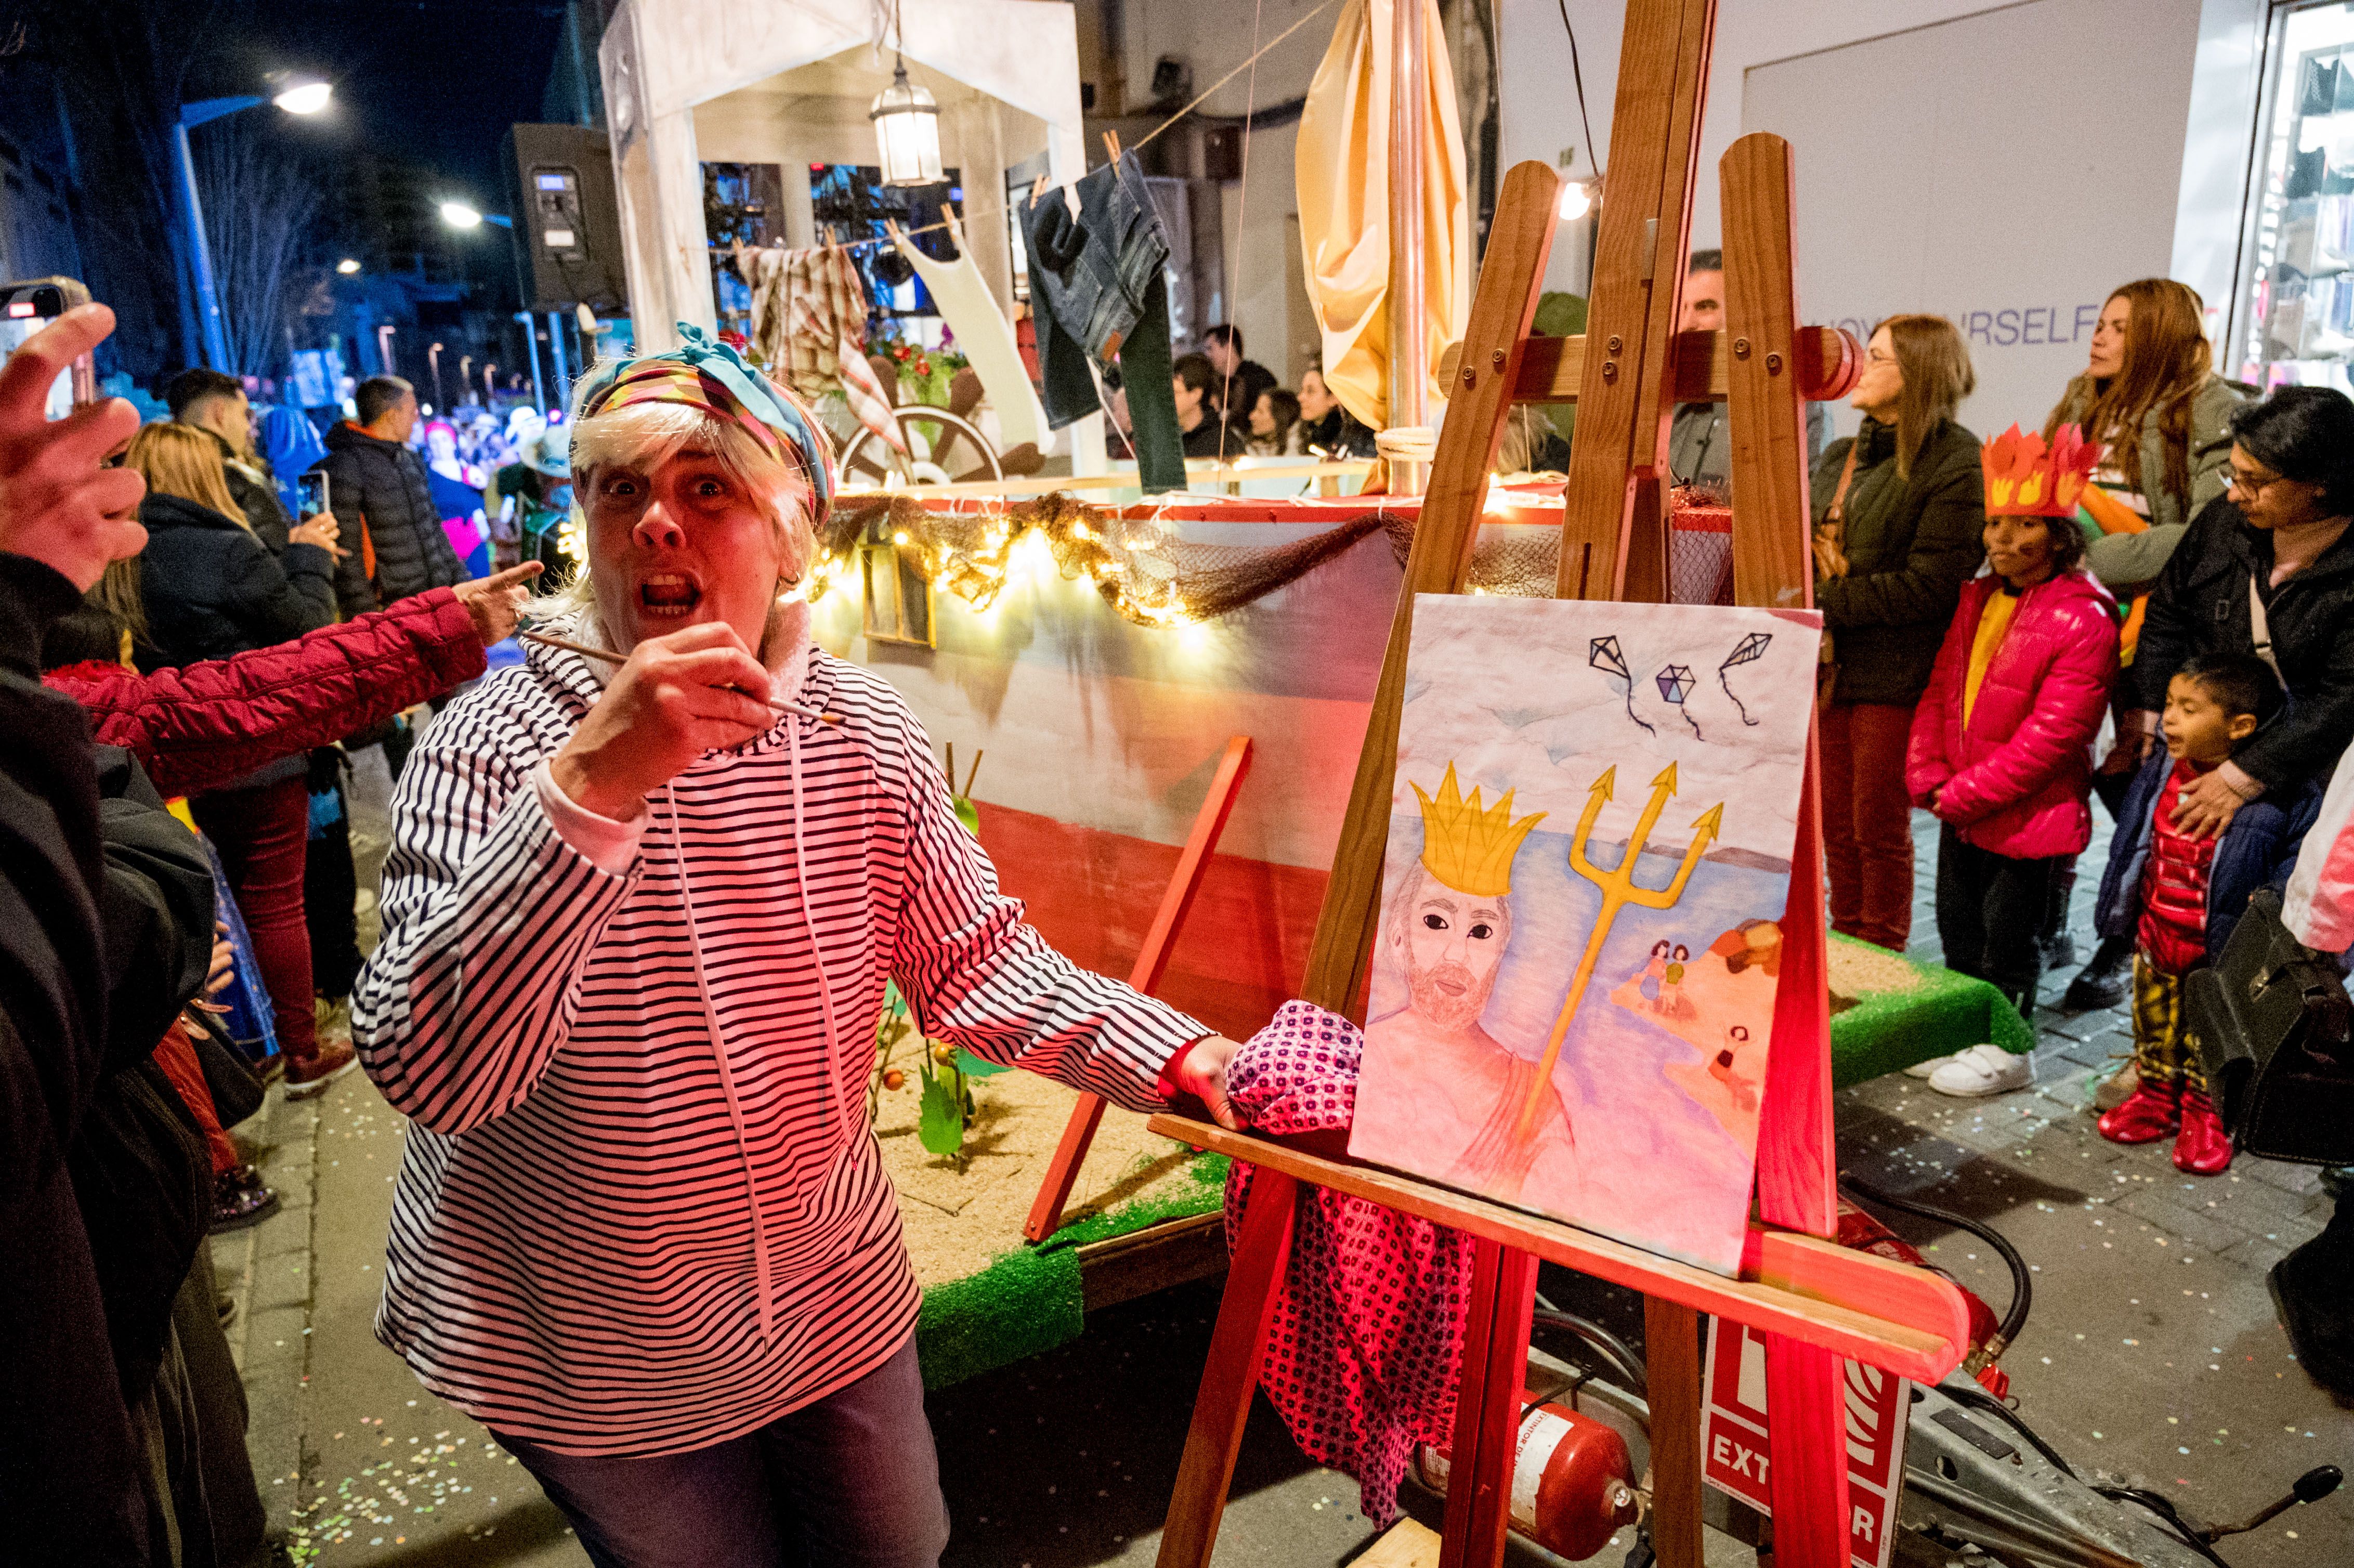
[
  {"x": 433, "y": 357},
  {"x": 347, "y": 266},
  {"x": 383, "y": 348},
  {"x": 459, "y": 215},
  {"x": 298, "y": 96},
  {"x": 466, "y": 372},
  {"x": 490, "y": 387}
]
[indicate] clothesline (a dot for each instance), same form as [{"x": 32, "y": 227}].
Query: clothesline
[{"x": 987, "y": 209}]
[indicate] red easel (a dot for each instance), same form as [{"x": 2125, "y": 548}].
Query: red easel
[{"x": 1193, "y": 864}]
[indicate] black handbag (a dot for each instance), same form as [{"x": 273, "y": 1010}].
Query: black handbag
[
  {"x": 2271, "y": 1023},
  {"x": 237, "y": 1093}
]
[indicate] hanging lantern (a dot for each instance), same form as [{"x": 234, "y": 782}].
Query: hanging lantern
[{"x": 907, "y": 132}]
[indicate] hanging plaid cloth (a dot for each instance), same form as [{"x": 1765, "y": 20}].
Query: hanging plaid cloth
[{"x": 809, "y": 321}]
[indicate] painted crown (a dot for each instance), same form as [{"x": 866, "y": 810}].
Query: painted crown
[
  {"x": 2026, "y": 478},
  {"x": 1468, "y": 848}
]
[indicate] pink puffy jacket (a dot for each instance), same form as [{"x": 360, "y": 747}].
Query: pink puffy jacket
[{"x": 2015, "y": 780}]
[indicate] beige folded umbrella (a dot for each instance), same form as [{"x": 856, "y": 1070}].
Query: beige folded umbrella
[{"x": 1345, "y": 232}]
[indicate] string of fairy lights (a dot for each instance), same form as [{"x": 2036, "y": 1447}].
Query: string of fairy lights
[{"x": 970, "y": 554}]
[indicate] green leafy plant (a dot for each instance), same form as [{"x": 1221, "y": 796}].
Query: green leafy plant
[{"x": 947, "y": 1072}]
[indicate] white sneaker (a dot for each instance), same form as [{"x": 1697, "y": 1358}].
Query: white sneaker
[
  {"x": 1922, "y": 1069},
  {"x": 1983, "y": 1070}
]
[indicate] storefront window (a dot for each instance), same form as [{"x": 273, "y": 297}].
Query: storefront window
[{"x": 2296, "y": 325}]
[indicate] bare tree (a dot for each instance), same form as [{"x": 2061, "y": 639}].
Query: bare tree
[{"x": 260, "y": 207}]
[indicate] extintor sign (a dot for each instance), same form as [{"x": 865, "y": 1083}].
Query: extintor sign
[{"x": 1734, "y": 1443}]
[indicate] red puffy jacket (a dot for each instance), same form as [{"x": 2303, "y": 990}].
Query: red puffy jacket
[
  {"x": 207, "y": 724},
  {"x": 2016, "y": 779}
]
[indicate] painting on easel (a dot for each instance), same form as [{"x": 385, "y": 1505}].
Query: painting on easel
[{"x": 1560, "y": 1020}]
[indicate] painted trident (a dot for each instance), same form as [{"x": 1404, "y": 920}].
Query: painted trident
[{"x": 1618, "y": 890}]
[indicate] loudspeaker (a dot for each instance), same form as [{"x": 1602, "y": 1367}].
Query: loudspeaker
[{"x": 567, "y": 225}]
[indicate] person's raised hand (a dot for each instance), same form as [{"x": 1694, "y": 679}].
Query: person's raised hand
[
  {"x": 58, "y": 503},
  {"x": 1203, "y": 1075},
  {"x": 680, "y": 695},
  {"x": 321, "y": 529},
  {"x": 496, "y": 601},
  {"x": 223, "y": 970}
]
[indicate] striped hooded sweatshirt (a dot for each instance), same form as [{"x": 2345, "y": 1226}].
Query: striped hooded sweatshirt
[{"x": 641, "y": 1208}]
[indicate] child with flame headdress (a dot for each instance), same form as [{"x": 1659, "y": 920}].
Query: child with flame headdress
[{"x": 2000, "y": 745}]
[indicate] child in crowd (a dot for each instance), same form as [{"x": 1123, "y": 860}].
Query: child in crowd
[
  {"x": 2179, "y": 895},
  {"x": 1999, "y": 751}
]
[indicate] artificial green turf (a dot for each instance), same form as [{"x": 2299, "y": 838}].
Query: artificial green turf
[
  {"x": 1886, "y": 1032},
  {"x": 1029, "y": 1299}
]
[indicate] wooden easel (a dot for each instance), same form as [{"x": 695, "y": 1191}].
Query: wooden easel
[{"x": 1817, "y": 1303}]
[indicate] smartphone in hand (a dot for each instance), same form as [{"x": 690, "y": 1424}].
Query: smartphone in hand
[{"x": 25, "y": 309}]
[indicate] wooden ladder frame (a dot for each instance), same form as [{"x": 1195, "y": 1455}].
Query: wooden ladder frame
[{"x": 1817, "y": 1303}]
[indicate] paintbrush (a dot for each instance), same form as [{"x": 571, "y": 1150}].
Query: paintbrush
[{"x": 610, "y": 657}]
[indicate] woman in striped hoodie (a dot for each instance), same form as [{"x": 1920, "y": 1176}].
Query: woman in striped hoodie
[{"x": 637, "y": 927}]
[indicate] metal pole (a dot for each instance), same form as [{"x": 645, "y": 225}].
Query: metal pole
[
  {"x": 1409, "y": 356},
  {"x": 208, "y": 315},
  {"x": 531, "y": 342},
  {"x": 557, "y": 361}
]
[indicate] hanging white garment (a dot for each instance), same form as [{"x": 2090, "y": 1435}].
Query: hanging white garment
[{"x": 986, "y": 337}]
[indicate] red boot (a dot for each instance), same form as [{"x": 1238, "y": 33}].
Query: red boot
[
  {"x": 2148, "y": 1114},
  {"x": 2202, "y": 1148}
]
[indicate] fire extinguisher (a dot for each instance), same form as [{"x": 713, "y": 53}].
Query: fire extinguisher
[{"x": 1572, "y": 1481}]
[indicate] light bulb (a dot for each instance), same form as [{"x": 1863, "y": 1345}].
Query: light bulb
[
  {"x": 309, "y": 98},
  {"x": 1576, "y": 201}
]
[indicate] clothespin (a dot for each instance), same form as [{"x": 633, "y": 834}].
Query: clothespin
[
  {"x": 955, "y": 225},
  {"x": 1111, "y": 145},
  {"x": 891, "y": 228},
  {"x": 1037, "y": 189}
]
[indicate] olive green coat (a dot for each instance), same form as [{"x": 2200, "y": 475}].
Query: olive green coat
[{"x": 2124, "y": 562}]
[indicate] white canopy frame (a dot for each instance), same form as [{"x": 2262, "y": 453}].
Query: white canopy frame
[{"x": 659, "y": 59}]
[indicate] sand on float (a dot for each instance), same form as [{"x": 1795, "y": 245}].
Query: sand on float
[{"x": 960, "y": 1213}]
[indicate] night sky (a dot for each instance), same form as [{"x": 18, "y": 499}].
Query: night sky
[{"x": 437, "y": 82}]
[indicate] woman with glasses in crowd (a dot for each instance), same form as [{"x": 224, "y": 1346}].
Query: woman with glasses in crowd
[{"x": 2267, "y": 570}]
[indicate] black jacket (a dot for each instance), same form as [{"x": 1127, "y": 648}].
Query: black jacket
[
  {"x": 381, "y": 485},
  {"x": 252, "y": 487},
  {"x": 140, "y": 1165},
  {"x": 1910, "y": 547},
  {"x": 69, "y": 1471},
  {"x": 212, "y": 589},
  {"x": 2199, "y": 605}
]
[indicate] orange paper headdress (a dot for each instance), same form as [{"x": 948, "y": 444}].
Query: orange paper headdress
[{"x": 2026, "y": 478}]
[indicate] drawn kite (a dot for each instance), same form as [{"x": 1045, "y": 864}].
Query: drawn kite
[
  {"x": 1602, "y": 653},
  {"x": 1676, "y": 686},
  {"x": 1746, "y": 651}
]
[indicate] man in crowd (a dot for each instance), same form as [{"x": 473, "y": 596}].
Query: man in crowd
[
  {"x": 216, "y": 404},
  {"x": 1699, "y": 442},
  {"x": 379, "y": 492},
  {"x": 1240, "y": 380},
  {"x": 1191, "y": 379}
]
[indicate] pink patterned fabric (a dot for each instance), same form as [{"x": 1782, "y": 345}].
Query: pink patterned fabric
[{"x": 1367, "y": 1333}]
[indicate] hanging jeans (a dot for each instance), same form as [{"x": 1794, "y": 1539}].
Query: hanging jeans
[{"x": 1097, "y": 291}]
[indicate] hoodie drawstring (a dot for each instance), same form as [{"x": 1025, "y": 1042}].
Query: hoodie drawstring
[
  {"x": 834, "y": 1082},
  {"x": 726, "y": 1077},
  {"x": 816, "y": 948}
]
